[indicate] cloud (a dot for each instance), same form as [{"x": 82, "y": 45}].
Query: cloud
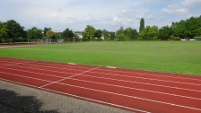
[
  {"x": 175, "y": 10},
  {"x": 102, "y": 14},
  {"x": 192, "y": 4}
]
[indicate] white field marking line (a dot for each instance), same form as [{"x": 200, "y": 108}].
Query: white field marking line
[
  {"x": 133, "y": 97},
  {"x": 144, "y": 99},
  {"x": 168, "y": 81},
  {"x": 144, "y": 90},
  {"x": 94, "y": 100},
  {"x": 72, "y": 63},
  {"x": 44, "y": 74},
  {"x": 118, "y": 75},
  {"x": 12, "y": 74},
  {"x": 69, "y": 77},
  {"x": 111, "y": 67},
  {"x": 160, "y": 74},
  {"x": 144, "y": 83}
]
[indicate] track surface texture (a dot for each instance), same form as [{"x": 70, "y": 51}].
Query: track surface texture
[{"x": 133, "y": 90}]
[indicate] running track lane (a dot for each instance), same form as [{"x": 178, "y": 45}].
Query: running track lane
[{"x": 134, "y": 90}]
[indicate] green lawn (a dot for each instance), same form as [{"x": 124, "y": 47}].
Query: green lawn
[{"x": 175, "y": 57}]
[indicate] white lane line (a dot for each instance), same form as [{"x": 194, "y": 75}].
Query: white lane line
[
  {"x": 43, "y": 69},
  {"x": 12, "y": 74},
  {"x": 64, "y": 78},
  {"x": 161, "y": 74},
  {"x": 135, "y": 82},
  {"x": 118, "y": 75},
  {"x": 119, "y": 71},
  {"x": 168, "y": 81},
  {"x": 139, "y": 98},
  {"x": 41, "y": 62},
  {"x": 144, "y": 83},
  {"x": 137, "y": 89},
  {"x": 76, "y": 96},
  {"x": 133, "y": 97},
  {"x": 45, "y": 66},
  {"x": 69, "y": 77},
  {"x": 43, "y": 74},
  {"x": 97, "y": 101},
  {"x": 20, "y": 83}
]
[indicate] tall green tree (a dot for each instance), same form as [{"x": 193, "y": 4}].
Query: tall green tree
[
  {"x": 98, "y": 34},
  {"x": 180, "y": 29},
  {"x": 34, "y": 33},
  {"x": 108, "y": 35},
  {"x": 193, "y": 25},
  {"x": 131, "y": 33},
  {"x": 45, "y": 30},
  {"x": 121, "y": 35},
  {"x": 50, "y": 34},
  {"x": 3, "y": 32},
  {"x": 89, "y": 32},
  {"x": 15, "y": 30},
  {"x": 149, "y": 32},
  {"x": 165, "y": 33},
  {"x": 68, "y": 34},
  {"x": 142, "y": 25}
]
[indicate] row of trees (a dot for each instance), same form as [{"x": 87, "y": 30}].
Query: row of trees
[{"x": 190, "y": 28}]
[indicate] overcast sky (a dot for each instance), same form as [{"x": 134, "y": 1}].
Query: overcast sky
[{"x": 102, "y": 14}]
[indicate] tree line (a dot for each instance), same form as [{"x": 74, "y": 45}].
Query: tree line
[{"x": 12, "y": 31}]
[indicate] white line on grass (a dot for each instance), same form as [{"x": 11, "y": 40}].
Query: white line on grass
[{"x": 111, "y": 67}]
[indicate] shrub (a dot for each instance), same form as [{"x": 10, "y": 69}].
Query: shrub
[
  {"x": 197, "y": 38},
  {"x": 175, "y": 38}
]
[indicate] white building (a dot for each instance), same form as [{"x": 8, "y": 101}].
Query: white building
[{"x": 79, "y": 34}]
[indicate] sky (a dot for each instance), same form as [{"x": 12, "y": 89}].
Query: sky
[{"x": 101, "y": 14}]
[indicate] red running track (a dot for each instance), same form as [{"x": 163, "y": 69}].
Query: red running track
[{"x": 134, "y": 90}]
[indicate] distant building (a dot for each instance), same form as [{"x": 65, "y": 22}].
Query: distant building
[{"x": 79, "y": 34}]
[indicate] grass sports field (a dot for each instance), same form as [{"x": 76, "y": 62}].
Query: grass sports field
[{"x": 174, "y": 57}]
